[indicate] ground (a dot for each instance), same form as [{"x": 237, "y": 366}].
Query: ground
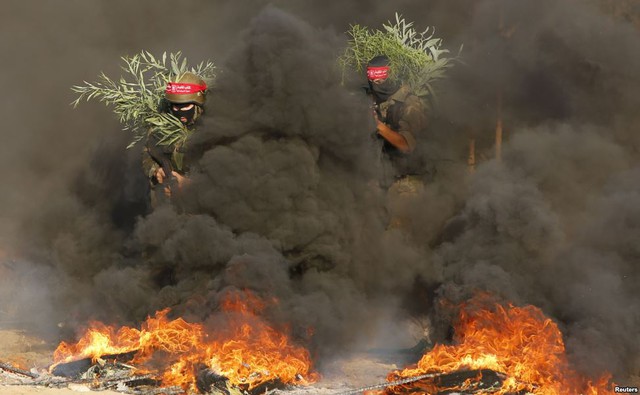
[
  {"x": 28, "y": 351},
  {"x": 18, "y": 347},
  {"x": 341, "y": 375}
]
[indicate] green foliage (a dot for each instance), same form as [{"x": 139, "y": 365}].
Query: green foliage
[
  {"x": 417, "y": 58},
  {"x": 136, "y": 100}
]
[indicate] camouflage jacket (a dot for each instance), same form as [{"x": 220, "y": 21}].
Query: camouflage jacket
[
  {"x": 151, "y": 161},
  {"x": 405, "y": 113}
]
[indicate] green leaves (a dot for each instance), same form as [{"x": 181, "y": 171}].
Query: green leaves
[
  {"x": 136, "y": 96},
  {"x": 168, "y": 128},
  {"x": 417, "y": 58}
]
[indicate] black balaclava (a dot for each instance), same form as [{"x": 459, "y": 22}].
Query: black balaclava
[
  {"x": 190, "y": 114},
  {"x": 378, "y": 67}
]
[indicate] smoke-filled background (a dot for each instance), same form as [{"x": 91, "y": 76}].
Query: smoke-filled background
[{"x": 283, "y": 200}]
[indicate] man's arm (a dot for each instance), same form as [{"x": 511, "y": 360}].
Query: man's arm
[
  {"x": 393, "y": 137},
  {"x": 412, "y": 123},
  {"x": 156, "y": 173}
]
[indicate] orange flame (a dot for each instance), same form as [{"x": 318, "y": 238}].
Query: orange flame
[
  {"x": 517, "y": 341},
  {"x": 235, "y": 356},
  {"x": 246, "y": 350}
]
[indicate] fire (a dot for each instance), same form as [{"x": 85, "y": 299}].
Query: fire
[
  {"x": 246, "y": 350},
  {"x": 517, "y": 341},
  {"x": 157, "y": 333},
  {"x": 234, "y": 355}
]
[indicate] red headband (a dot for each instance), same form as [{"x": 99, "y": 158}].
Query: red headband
[
  {"x": 181, "y": 88},
  {"x": 378, "y": 73}
]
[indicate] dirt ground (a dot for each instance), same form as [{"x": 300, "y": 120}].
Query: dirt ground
[
  {"x": 31, "y": 353},
  {"x": 19, "y": 348},
  {"x": 13, "y": 390}
]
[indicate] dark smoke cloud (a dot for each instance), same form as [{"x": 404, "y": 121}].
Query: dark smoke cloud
[
  {"x": 287, "y": 163},
  {"x": 282, "y": 203}
]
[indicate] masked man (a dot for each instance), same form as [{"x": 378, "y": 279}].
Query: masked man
[
  {"x": 184, "y": 99},
  {"x": 401, "y": 120}
]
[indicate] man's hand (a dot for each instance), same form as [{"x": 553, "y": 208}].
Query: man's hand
[
  {"x": 159, "y": 175},
  {"x": 393, "y": 137},
  {"x": 180, "y": 180},
  {"x": 375, "y": 115},
  {"x": 379, "y": 123}
]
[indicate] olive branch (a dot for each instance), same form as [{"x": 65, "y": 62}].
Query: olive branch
[
  {"x": 416, "y": 58},
  {"x": 136, "y": 100}
]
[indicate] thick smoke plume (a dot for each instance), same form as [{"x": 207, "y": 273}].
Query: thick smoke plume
[{"x": 283, "y": 200}]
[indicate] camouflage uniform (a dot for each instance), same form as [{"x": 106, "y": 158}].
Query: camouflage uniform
[
  {"x": 176, "y": 155},
  {"x": 150, "y": 166},
  {"x": 184, "y": 99},
  {"x": 405, "y": 113}
]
